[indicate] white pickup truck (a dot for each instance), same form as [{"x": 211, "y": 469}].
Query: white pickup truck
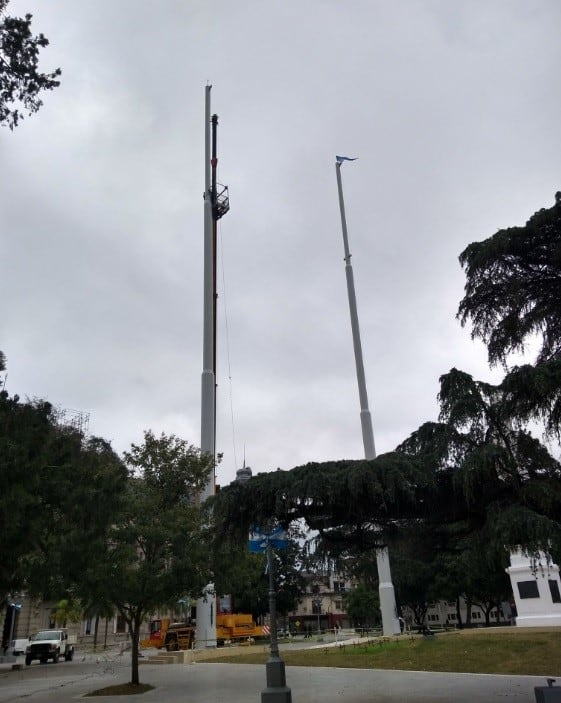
[{"x": 49, "y": 644}]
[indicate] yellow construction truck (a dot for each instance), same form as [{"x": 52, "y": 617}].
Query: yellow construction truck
[{"x": 236, "y": 627}]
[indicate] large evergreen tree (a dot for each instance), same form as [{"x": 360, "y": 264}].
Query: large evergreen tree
[
  {"x": 21, "y": 82},
  {"x": 512, "y": 294},
  {"x": 477, "y": 476}
]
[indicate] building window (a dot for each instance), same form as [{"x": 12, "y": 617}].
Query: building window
[
  {"x": 338, "y": 605},
  {"x": 88, "y": 627},
  {"x": 120, "y": 625},
  {"x": 452, "y": 616},
  {"x": 339, "y": 586},
  {"x": 554, "y": 590},
  {"x": 528, "y": 589}
]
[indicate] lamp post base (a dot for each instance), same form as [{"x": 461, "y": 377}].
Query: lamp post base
[{"x": 277, "y": 691}]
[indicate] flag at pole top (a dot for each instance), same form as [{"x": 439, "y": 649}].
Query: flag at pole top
[{"x": 340, "y": 159}]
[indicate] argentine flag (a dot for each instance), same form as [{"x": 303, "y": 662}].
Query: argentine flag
[{"x": 340, "y": 159}]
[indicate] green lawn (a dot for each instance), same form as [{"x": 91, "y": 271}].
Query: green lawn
[{"x": 508, "y": 651}]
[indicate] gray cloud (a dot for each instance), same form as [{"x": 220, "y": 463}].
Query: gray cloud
[{"x": 452, "y": 110}]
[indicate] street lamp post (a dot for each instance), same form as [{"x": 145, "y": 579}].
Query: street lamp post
[
  {"x": 15, "y": 608},
  {"x": 277, "y": 691},
  {"x": 318, "y": 603}
]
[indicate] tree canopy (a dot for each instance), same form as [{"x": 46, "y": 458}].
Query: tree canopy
[
  {"x": 512, "y": 293},
  {"x": 513, "y": 287},
  {"x": 477, "y": 473},
  {"x": 244, "y": 576},
  {"x": 467, "y": 474},
  {"x": 58, "y": 491},
  {"x": 362, "y": 604},
  {"x": 155, "y": 553},
  {"x": 21, "y": 81}
]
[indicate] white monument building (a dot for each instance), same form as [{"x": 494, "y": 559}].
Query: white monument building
[{"x": 536, "y": 589}]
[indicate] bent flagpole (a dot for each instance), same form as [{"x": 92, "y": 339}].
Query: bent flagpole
[{"x": 388, "y": 608}]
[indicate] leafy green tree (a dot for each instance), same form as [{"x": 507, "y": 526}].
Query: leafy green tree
[
  {"x": 58, "y": 496},
  {"x": 241, "y": 575},
  {"x": 81, "y": 485},
  {"x": 476, "y": 572},
  {"x": 68, "y": 610},
  {"x": 21, "y": 82},
  {"x": 26, "y": 433},
  {"x": 362, "y": 604},
  {"x": 488, "y": 585},
  {"x": 244, "y": 576},
  {"x": 289, "y": 578},
  {"x": 156, "y": 552},
  {"x": 413, "y": 555}
]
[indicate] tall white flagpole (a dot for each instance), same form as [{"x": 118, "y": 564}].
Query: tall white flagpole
[
  {"x": 205, "y": 635},
  {"x": 388, "y": 608}
]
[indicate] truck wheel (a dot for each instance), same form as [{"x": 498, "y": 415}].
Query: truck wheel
[
  {"x": 28, "y": 661},
  {"x": 43, "y": 660},
  {"x": 55, "y": 658},
  {"x": 69, "y": 656}
]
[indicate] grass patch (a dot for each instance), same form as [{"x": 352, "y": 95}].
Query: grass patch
[
  {"x": 122, "y": 689},
  {"x": 471, "y": 651}
]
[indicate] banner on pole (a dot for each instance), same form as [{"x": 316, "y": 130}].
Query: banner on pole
[{"x": 259, "y": 539}]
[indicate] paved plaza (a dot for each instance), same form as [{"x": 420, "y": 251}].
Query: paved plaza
[{"x": 243, "y": 683}]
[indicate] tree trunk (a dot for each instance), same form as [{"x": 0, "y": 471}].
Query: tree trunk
[
  {"x": 96, "y": 629},
  {"x": 134, "y": 626},
  {"x": 459, "y": 614},
  {"x": 486, "y": 606},
  {"x": 468, "y": 610}
]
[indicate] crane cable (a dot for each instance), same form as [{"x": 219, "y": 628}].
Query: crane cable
[{"x": 227, "y": 335}]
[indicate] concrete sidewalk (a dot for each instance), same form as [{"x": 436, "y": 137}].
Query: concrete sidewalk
[{"x": 243, "y": 683}]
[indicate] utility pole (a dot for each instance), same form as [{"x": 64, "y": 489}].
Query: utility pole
[{"x": 390, "y": 622}]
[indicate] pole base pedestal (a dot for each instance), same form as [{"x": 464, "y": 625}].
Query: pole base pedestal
[
  {"x": 282, "y": 694},
  {"x": 277, "y": 691}
]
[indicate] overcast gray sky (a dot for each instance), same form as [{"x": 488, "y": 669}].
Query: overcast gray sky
[{"x": 453, "y": 109}]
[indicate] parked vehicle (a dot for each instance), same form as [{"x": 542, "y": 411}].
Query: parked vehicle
[
  {"x": 19, "y": 647},
  {"x": 49, "y": 644},
  {"x": 180, "y": 635}
]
